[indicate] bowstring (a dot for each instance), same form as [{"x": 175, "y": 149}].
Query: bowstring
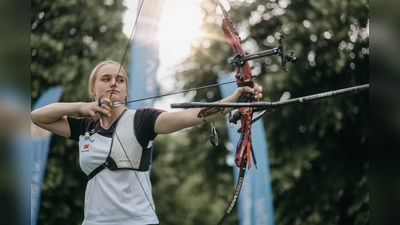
[
  {"x": 178, "y": 92},
  {"x": 114, "y": 130},
  {"x": 168, "y": 94},
  {"x": 127, "y": 46}
]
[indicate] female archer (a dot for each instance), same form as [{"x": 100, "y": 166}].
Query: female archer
[{"x": 115, "y": 144}]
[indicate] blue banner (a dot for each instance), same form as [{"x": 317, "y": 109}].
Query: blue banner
[
  {"x": 255, "y": 203},
  {"x": 15, "y": 154},
  {"x": 40, "y": 143},
  {"x": 144, "y": 59}
]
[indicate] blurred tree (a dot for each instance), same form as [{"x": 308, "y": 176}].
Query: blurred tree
[
  {"x": 318, "y": 151},
  {"x": 68, "y": 38}
]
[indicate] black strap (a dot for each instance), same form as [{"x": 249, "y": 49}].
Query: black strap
[{"x": 97, "y": 170}]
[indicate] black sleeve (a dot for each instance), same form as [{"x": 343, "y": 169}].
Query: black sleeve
[
  {"x": 145, "y": 119},
  {"x": 78, "y": 126}
]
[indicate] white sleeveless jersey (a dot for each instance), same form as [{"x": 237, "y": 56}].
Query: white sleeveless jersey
[{"x": 121, "y": 196}]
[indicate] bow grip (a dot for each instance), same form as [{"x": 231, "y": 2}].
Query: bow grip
[{"x": 245, "y": 97}]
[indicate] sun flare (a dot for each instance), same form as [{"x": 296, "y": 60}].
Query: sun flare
[{"x": 180, "y": 24}]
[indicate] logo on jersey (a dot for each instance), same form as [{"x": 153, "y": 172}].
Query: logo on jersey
[
  {"x": 85, "y": 148},
  {"x": 87, "y": 137},
  {"x": 93, "y": 131},
  {"x": 87, "y": 140}
]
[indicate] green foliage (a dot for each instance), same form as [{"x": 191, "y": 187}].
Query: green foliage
[
  {"x": 190, "y": 178},
  {"x": 317, "y": 151},
  {"x": 68, "y": 38}
]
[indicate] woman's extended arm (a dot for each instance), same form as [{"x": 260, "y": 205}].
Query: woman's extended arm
[{"x": 174, "y": 121}]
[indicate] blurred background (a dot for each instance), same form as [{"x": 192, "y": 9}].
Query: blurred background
[{"x": 318, "y": 152}]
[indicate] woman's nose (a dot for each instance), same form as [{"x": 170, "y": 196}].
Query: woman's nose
[{"x": 113, "y": 83}]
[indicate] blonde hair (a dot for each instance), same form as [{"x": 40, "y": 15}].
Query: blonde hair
[{"x": 97, "y": 67}]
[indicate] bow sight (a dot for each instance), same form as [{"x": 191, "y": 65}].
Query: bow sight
[{"x": 240, "y": 60}]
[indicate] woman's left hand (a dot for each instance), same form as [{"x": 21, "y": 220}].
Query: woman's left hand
[{"x": 256, "y": 90}]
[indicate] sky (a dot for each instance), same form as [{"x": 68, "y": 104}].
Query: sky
[{"x": 177, "y": 28}]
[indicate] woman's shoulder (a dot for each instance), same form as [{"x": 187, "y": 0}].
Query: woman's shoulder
[
  {"x": 80, "y": 119},
  {"x": 80, "y": 125}
]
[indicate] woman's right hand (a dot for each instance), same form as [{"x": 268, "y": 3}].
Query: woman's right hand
[{"x": 93, "y": 109}]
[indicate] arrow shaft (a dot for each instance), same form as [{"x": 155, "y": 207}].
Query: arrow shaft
[{"x": 268, "y": 105}]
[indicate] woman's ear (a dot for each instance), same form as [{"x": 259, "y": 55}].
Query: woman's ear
[{"x": 92, "y": 94}]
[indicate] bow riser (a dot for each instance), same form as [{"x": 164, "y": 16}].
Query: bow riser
[
  {"x": 243, "y": 78},
  {"x": 243, "y": 71}
]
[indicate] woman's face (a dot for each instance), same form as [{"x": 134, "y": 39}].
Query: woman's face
[{"x": 109, "y": 84}]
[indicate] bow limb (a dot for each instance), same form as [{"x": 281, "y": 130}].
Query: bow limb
[{"x": 239, "y": 185}]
